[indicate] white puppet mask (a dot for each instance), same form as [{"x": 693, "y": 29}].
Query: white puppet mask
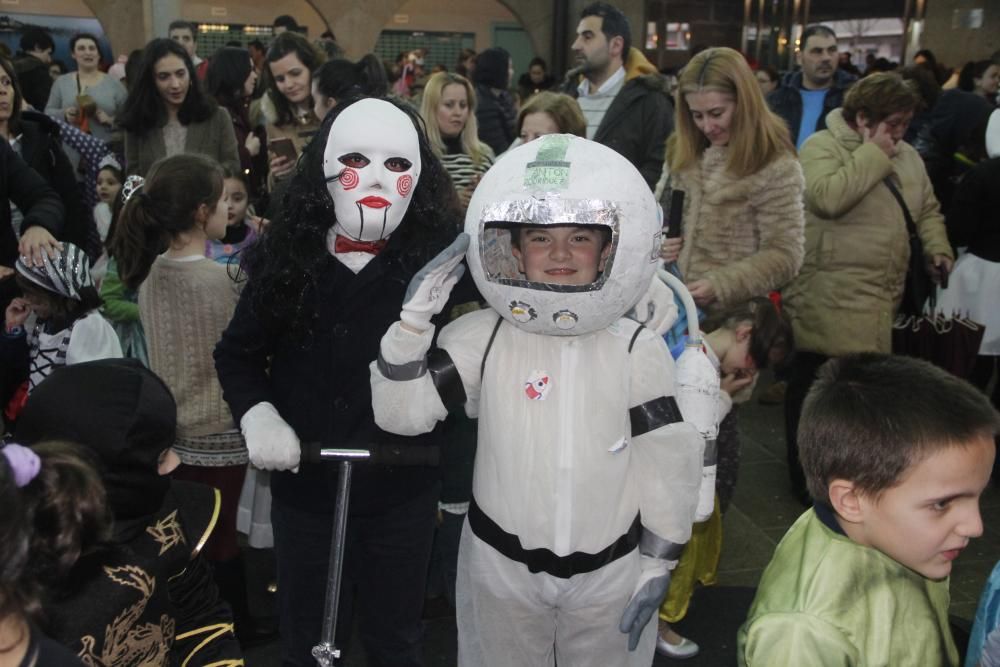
[{"x": 371, "y": 164}]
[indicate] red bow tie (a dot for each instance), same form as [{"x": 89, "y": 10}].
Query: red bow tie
[{"x": 345, "y": 244}]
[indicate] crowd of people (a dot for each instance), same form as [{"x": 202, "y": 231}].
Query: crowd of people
[{"x": 210, "y": 262}]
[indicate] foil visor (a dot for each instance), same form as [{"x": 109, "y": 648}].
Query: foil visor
[{"x": 498, "y": 217}]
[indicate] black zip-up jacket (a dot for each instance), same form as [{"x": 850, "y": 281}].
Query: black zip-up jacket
[
  {"x": 637, "y": 125},
  {"x": 787, "y": 103},
  {"x": 322, "y": 389}
]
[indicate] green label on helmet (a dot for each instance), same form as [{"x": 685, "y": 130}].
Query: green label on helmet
[{"x": 550, "y": 168}]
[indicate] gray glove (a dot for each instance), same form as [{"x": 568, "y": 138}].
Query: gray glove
[
  {"x": 991, "y": 650},
  {"x": 654, "y": 580},
  {"x": 430, "y": 287}
]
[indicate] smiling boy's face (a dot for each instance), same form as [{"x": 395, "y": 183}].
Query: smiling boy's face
[
  {"x": 561, "y": 254},
  {"x": 927, "y": 519}
]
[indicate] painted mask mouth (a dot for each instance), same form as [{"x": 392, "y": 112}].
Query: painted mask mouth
[{"x": 374, "y": 202}]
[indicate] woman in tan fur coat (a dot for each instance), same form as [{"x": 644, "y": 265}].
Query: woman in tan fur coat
[
  {"x": 733, "y": 158},
  {"x": 742, "y": 234}
]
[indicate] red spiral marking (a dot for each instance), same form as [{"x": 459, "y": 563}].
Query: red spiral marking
[
  {"x": 404, "y": 184},
  {"x": 349, "y": 179}
]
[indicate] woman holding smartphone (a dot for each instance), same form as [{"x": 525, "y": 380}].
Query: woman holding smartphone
[
  {"x": 87, "y": 98},
  {"x": 167, "y": 113},
  {"x": 287, "y": 104}
]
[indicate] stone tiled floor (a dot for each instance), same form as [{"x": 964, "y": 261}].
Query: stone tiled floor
[{"x": 761, "y": 512}]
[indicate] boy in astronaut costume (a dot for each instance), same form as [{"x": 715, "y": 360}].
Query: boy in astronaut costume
[{"x": 583, "y": 455}]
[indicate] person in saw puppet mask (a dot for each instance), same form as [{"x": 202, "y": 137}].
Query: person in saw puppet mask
[
  {"x": 368, "y": 205},
  {"x": 371, "y": 163},
  {"x": 586, "y": 476}
]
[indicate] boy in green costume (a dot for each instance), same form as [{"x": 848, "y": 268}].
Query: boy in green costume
[{"x": 896, "y": 454}]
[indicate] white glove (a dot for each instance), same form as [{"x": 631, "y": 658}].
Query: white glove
[
  {"x": 431, "y": 286},
  {"x": 271, "y": 442},
  {"x": 706, "y": 495},
  {"x": 654, "y": 580}
]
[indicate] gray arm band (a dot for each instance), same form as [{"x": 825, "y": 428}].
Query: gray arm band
[
  {"x": 411, "y": 370},
  {"x": 654, "y": 546}
]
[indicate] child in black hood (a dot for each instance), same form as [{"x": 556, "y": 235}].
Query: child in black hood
[{"x": 153, "y": 596}]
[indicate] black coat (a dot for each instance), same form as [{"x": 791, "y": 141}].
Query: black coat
[
  {"x": 526, "y": 87},
  {"x": 787, "y": 103},
  {"x": 496, "y": 117},
  {"x": 637, "y": 125},
  {"x": 34, "y": 78},
  {"x": 42, "y": 150},
  {"x": 322, "y": 388},
  {"x": 41, "y": 206},
  {"x": 32, "y": 194},
  {"x": 972, "y": 220}
]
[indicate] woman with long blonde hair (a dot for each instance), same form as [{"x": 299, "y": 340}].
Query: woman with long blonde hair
[
  {"x": 448, "y": 108},
  {"x": 741, "y": 237},
  {"x": 735, "y": 161}
]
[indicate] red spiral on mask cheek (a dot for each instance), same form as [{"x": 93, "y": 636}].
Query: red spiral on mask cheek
[
  {"x": 404, "y": 185},
  {"x": 349, "y": 179}
]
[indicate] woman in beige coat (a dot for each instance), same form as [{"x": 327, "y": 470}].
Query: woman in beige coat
[
  {"x": 742, "y": 232},
  {"x": 857, "y": 247},
  {"x": 742, "y": 225}
]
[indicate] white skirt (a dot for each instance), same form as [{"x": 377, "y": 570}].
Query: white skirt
[
  {"x": 253, "y": 518},
  {"x": 974, "y": 292}
]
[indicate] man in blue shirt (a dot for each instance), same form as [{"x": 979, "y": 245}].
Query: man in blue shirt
[{"x": 805, "y": 97}]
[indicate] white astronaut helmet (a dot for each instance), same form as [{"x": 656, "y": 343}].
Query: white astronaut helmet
[{"x": 562, "y": 181}]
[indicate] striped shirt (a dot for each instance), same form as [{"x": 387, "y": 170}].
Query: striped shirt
[
  {"x": 595, "y": 105},
  {"x": 462, "y": 168}
]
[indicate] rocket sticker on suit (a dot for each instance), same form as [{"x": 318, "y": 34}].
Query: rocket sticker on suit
[{"x": 537, "y": 386}]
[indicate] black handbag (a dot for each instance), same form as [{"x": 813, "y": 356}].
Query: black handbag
[{"x": 918, "y": 287}]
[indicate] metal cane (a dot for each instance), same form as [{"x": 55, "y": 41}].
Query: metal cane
[{"x": 326, "y": 651}]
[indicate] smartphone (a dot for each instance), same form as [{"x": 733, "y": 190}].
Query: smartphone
[{"x": 283, "y": 147}]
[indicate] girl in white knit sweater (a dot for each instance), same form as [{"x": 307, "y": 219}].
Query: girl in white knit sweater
[{"x": 185, "y": 302}]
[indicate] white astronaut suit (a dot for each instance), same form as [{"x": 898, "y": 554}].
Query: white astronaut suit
[{"x": 586, "y": 478}]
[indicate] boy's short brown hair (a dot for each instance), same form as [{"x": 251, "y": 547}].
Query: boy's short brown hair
[{"x": 869, "y": 417}]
